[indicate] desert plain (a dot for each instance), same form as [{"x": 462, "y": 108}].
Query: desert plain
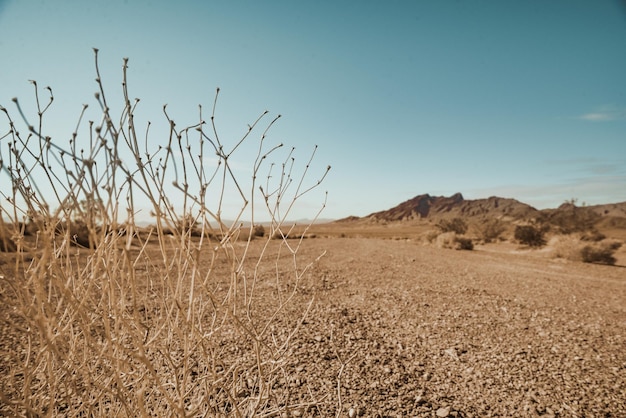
[
  {"x": 399, "y": 327},
  {"x": 498, "y": 331}
]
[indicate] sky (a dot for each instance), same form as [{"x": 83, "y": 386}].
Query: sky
[{"x": 523, "y": 100}]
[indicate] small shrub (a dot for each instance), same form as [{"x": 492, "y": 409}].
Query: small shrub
[
  {"x": 171, "y": 328},
  {"x": 430, "y": 236},
  {"x": 601, "y": 254},
  {"x": 567, "y": 247},
  {"x": 446, "y": 240},
  {"x": 492, "y": 229},
  {"x": 530, "y": 235},
  {"x": 258, "y": 231},
  {"x": 463, "y": 243},
  {"x": 456, "y": 225},
  {"x": 80, "y": 235},
  {"x": 451, "y": 240},
  {"x": 575, "y": 248},
  {"x": 187, "y": 224}
]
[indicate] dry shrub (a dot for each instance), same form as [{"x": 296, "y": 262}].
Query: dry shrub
[
  {"x": 259, "y": 231},
  {"x": 165, "y": 322},
  {"x": 430, "y": 236},
  {"x": 492, "y": 229},
  {"x": 601, "y": 252},
  {"x": 464, "y": 243},
  {"x": 531, "y": 235},
  {"x": 566, "y": 247},
  {"x": 575, "y": 247},
  {"x": 456, "y": 225},
  {"x": 451, "y": 240},
  {"x": 446, "y": 240}
]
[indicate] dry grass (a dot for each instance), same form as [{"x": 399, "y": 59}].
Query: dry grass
[{"x": 102, "y": 318}]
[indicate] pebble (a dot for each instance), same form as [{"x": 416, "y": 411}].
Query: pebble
[{"x": 443, "y": 412}]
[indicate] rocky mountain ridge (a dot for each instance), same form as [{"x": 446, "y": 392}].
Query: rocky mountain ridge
[{"x": 425, "y": 206}]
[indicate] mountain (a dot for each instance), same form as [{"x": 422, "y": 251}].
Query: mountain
[
  {"x": 430, "y": 207},
  {"x": 427, "y": 206}
]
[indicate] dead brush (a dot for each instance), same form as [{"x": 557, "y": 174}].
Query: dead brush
[
  {"x": 160, "y": 321},
  {"x": 567, "y": 247},
  {"x": 575, "y": 247}
]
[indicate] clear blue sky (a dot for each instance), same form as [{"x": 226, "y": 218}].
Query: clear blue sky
[{"x": 521, "y": 99}]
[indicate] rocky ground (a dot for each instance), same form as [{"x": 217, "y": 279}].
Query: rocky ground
[
  {"x": 419, "y": 331},
  {"x": 397, "y": 328}
]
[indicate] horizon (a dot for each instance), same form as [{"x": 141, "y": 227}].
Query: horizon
[
  {"x": 515, "y": 100},
  {"x": 144, "y": 221}
]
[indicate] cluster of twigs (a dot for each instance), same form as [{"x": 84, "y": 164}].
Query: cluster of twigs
[{"x": 114, "y": 319}]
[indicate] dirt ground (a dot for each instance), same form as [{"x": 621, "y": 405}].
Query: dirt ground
[
  {"x": 423, "y": 331},
  {"x": 398, "y": 328}
]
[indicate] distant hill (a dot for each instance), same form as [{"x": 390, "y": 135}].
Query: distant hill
[
  {"x": 435, "y": 208},
  {"x": 438, "y": 207},
  {"x": 611, "y": 209}
]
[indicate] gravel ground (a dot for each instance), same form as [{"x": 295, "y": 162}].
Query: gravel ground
[
  {"x": 420, "y": 331},
  {"x": 401, "y": 329}
]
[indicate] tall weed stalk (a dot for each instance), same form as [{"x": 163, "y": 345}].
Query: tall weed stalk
[{"x": 104, "y": 317}]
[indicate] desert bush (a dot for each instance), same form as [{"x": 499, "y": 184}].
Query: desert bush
[
  {"x": 567, "y": 247},
  {"x": 575, "y": 247},
  {"x": 430, "y": 236},
  {"x": 135, "y": 323},
  {"x": 259, "y": 231},
  {"x": 79, "y": 234},
  {"x": 463, "y": 243},
  {"x": 451, "y": 240},
  {"x": 531, "y": 235},
  {"x": 492, "y": 229},
  {"x": 446, "y": 240},
  {"x": 456, "y": 225},
  {"x": 601, "y": 253}
]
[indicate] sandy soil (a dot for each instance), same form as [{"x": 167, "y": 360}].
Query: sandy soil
[{"x": 401, "y": 329}]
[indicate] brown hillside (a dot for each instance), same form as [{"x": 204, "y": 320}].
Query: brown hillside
[
  {"x": 609, "y": 219},
  {"x": 611, "y": 209},
  {"x": 426, "y": 206},
  {"x": 568, "y": 217},
  {"x": 612, "y": 217},
  {"x": 418, "y": 207}
]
